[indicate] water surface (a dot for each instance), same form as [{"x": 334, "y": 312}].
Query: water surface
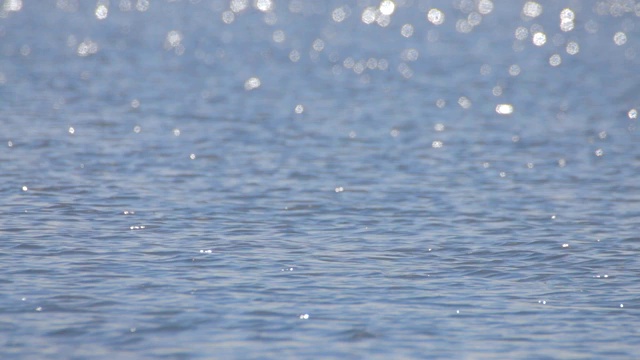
[{"x": 199, "y": 179}]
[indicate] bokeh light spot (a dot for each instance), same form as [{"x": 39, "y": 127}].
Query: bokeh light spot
[
  {"x": 485, "y": 7},
  {"x": 531, "y": 9},
  {"x": 252, "y": 83},
  {"x": 87, "y": 47},
  {"x": 521, "y": 33},
  {"x": 435, "y": 16},
  {"x": 555, "y": 60},
  {"x": 514, "y": 70},
  {"x": 539, "y": 38},
  {"x": 339, "y": 14},
  {"x": 620, "y": 38},
  {"x": 387, "y": 7},
  {"x": 573, "y": 48},
  {"x": 368, "y": 15},
  {"x": 238, "y": 5},
  {"x": 464, "y": 102},
  {"x": 228, "y": 17},
  {"x": 264, "y": 5},
  {"x": 102, "y": 11},
  {"x": 407, "y": 30},
  {"x": 278, "y": 36},
  {"x": 504, "y": 109}
]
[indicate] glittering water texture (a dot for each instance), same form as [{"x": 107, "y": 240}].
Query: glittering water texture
[{"x": 305, "y": 179}]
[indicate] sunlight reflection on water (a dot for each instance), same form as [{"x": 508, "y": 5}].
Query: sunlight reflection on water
[{"x": 188, "y": 178}]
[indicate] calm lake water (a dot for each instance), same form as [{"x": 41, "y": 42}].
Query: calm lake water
[{"x": 303, "y": 179}]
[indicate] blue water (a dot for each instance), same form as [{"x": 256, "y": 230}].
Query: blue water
[{"x": 292, "y": 184}]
